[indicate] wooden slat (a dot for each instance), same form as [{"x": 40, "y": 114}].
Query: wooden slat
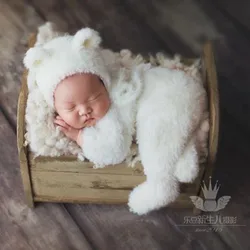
[
  {"x": 69, "y": 186},
  {"x": 213, "y": 99},
  {"x": 66, "y": 180},
  {"x": 22, "y": 150},
  {"x": 95, "y": 188},
  {"x": 71, "y": 164},
  {"x": 210, "y": 77},
  {"x": 46, "y": 227}
]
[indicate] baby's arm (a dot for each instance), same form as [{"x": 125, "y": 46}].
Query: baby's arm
[
  {"x": 71, "y": 133},
  {"x": 108, "y": 142}
]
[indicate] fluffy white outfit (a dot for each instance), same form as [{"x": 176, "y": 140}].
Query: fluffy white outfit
[{"x": 162, "y": 108}]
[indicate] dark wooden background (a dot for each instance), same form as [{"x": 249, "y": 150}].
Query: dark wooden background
[{"x": 143, "y": 26}]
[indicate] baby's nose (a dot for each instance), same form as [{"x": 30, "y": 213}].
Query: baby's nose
[{"x": 84, "y": 111}]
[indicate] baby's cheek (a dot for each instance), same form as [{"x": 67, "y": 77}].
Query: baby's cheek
[
  {"x": 106, "y": 105},
  {"x": 69, "y": 118},
  {"x": 101, "y": 108}
]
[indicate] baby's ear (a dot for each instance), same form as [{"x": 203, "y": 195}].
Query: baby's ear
[
  {"x": 34, "y": 56},
  {"x": 86, "y": 38}
]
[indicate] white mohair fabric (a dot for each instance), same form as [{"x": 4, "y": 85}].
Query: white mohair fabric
[
  {"x": 159, "y": 103},
  {"x": 64, "y": 56},
  {"x": 61, "y": 55}
]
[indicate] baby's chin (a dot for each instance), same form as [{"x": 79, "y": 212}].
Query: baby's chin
[{"x": 75, "y": 125}]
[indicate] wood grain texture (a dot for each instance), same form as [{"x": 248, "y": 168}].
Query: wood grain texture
[
  {"x": 231, "y": 170},
  {"x": 231, "y": 45},
  {"x": 50, "y": 226},
  {"x": 47, "y": 227},
  {"x": 95, "y": 188},
  {"x": 213, "y": 96},
  {"x": 118, "y": 28},
  {"x": 210, "y": 77},
  {"x": 232, "y": 60},
  {"x": 176, "y": 23},
  {"x": 64, "y": 179},
  {"x": 22, "y": 150},
  {"x": 71, "y": 164},
  {"x": 17, "y": 20},
  {"x": 113, "y": 227}
]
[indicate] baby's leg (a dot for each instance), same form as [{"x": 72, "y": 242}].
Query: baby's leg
[
  {"x": 166, "y": 118},
  {"x": 187, "y": 167},
  {"x": 159, "y": 152}
]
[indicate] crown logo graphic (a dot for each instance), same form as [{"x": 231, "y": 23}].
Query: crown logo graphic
[{"x": 210, "y": 193}]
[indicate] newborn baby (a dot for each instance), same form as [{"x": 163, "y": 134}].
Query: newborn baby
[
  {"x": 102, "y": 106},
  {"x": 80, "y": 101}
]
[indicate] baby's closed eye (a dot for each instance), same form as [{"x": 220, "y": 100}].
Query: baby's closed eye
[
  {"x": 95, "y": 97},
  {"x": 70, "y": 108}
]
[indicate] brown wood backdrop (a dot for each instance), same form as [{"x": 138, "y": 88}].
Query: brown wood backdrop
[{"x": 144, "y": 26}]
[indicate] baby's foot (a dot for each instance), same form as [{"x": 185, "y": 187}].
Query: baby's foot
[{"x": 150, "y": 196}]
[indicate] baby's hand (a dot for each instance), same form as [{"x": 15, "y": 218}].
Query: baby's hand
[{"x": 70, "y": 132}]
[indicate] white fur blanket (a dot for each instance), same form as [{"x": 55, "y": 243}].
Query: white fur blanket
[{"x": 44, "y": 139}]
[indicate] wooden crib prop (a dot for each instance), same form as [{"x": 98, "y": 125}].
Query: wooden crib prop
[{"x": 64, "y": 179}]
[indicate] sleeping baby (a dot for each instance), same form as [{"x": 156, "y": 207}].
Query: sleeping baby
[
  {"x": 103, "y": 109},
  {"x": 80, "y": 101}
]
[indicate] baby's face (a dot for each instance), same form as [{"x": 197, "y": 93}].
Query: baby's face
[{"x": 81, "y": 100}]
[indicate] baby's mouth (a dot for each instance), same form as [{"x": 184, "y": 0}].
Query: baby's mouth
[{"x": 89, "y": 119}]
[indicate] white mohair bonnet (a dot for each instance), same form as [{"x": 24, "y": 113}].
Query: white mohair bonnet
[{"x": 64, "y": 56}]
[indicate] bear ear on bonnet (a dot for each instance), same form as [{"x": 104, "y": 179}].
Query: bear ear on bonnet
[
  {"x": 86, "y": 38},
  {"x": 34, "y": 56}
]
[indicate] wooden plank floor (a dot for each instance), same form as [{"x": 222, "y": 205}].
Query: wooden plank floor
[{"x": 143, "y": 26}]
